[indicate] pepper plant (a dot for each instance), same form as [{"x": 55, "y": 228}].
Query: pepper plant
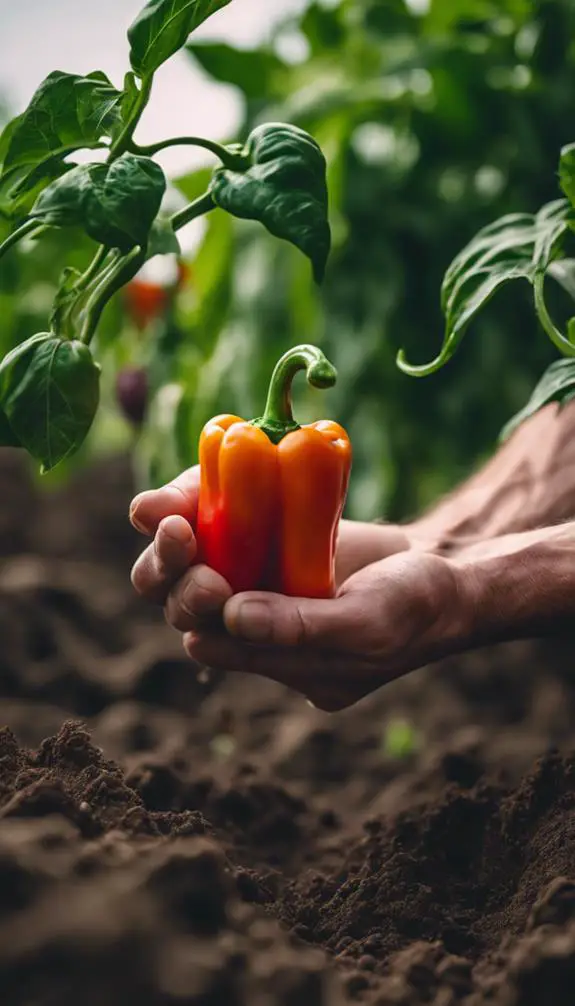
[
  {"x": 524, "y": 246},
  {"x": 49, "y": 384}
]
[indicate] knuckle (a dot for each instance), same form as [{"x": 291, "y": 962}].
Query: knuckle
[{"x": 177, "y": 616}]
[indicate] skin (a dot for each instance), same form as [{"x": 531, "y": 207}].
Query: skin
[{"x": 479, "y": 568}]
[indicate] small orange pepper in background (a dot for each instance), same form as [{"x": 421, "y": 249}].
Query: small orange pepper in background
[
  {"x": 147, "y": 300},
  {"x": 272, "y": 492}
]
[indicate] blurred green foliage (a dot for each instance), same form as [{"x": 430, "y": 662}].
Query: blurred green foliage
[{"x": 434, "y": 123}]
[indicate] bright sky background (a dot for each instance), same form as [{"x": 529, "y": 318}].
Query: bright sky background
[{"x": 38, "y": 36}]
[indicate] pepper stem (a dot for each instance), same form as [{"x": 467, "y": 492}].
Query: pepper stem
[{"x": 278, "y": 419}]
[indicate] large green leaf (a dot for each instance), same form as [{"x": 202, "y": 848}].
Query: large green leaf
[
  {"x": 254, "y": 71},
  {"x": 20, "y": 187},
  {"x": 284, "y": 187},
  {"x": 556, "y": 385},
  {"x": 163, "y": 27},
  {"x": 67, "y": 112},
  {"x": 514, "y": 247},
  {"x": 49, "y": 393},
  {"x": 115, "y": 203}
]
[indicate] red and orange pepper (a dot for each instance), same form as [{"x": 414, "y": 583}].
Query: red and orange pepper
[{"x": 272, "y": 492}]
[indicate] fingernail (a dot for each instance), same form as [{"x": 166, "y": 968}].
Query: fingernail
[
  {"x": 134, "y": 519},
  {"x": 253, "y": 621}
]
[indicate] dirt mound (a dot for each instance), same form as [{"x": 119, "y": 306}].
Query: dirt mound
[{"x": 171, "y": 839}]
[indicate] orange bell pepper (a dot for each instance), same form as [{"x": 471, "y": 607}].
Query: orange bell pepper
[{"x": 272, "y": 492}]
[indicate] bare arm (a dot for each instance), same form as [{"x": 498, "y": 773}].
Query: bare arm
[
  {"x": 527, "y": 484},
  {"x": 519, "y": 585}
]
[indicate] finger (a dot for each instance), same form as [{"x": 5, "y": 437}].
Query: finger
[
  {"x": 359, "y": 544},
  {"x": 164, "y": 561},
  {"x": 331, "y": 681},
  {"x": 178, "y": 497},
  {"x": 277, "y": 620},
  {"x": 200, "y": 594}
]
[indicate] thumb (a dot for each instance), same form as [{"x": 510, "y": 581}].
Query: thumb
[{"x": 277, "y": 620}]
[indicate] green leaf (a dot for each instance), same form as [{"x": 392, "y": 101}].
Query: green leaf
[
  {"x": 124, "y": 201},
  {"x": 49, "y": 392},
  {"x": 567, "y": 171},
  {"x": 7, "y": 436},
  {"x": 163, "y": 27},
  {"x": 67, "y": 113},
  {"x": 64, "y": 297},
  {"x": 284, "y": 187},
  {"x": 514, "y": 247},
  {"x": 20, "y": 187},
  {"x": 254, "y": 71},
  {"x": 6, "y": 136},
  {"x": 563, "y": 271},
  {"x": 556, "y": 385},
  {"x": 551, "y": 223},
  {"x": 115, "y": 203},
  {"x": 128, "y": 101},
  {"x": 163, "y": 240}
]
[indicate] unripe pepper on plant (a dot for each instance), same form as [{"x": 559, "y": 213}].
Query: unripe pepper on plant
[{"x": 272, "y": 492}]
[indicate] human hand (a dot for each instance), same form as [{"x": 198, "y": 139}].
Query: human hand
[
  {"x": 169, "y": 514},
  {"x": 396, "y": 607}
]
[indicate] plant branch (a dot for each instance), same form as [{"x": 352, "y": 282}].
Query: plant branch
[
  {"x": 69, "y": 308},
  {"x": 116, "y": 276},
  {"x": 17, "y": 235},
  {"x": 124, "y": 140},
  {"x": 92, "y": 269},
  {"x": 557, "y": 338},
  {"x": 229, "y": 158},
  {"x": 200, "y": 206}
]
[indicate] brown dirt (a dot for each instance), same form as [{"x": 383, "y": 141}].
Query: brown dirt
[{"x": 172, "y": 841}]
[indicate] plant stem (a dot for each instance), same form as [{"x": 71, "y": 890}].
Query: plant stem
[
  {"x": 69, "y": 309},
  {"x": 116, "y": 275},
  {"x": 228, "y": 157},
  {"x": 278, "y": 419},
  {"x": 92, "y": 269},
  {"x": 557, "y": 338},
  {"x": 124, "y": 140},
  {"x": 200, "y": 206},
  {"x": 18, "y": 234}
]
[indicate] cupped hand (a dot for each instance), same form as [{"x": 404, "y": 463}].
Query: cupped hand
[{"x": 396, "y": 608}]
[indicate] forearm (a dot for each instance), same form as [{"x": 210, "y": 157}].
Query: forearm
[
  {"x": 529, "y": 483},
  {"x": 518, "y": 586}
]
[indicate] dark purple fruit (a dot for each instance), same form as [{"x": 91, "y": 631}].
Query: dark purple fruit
[{"x": 132, "y": 394}]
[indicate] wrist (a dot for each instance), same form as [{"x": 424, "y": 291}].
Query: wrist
[{"x": 518, "y": 586}]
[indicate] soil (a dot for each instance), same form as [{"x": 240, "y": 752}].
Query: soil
[{"x": 173, "y": 839}]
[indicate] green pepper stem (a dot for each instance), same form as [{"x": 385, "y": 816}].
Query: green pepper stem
[
  {"x": 122, "y": 143},
  {"x": 200, "y": 206},
  {"x": 229, "y": 158},
  {"x": 278, "y": 419},
  {"x": 119, "y": 272}
]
